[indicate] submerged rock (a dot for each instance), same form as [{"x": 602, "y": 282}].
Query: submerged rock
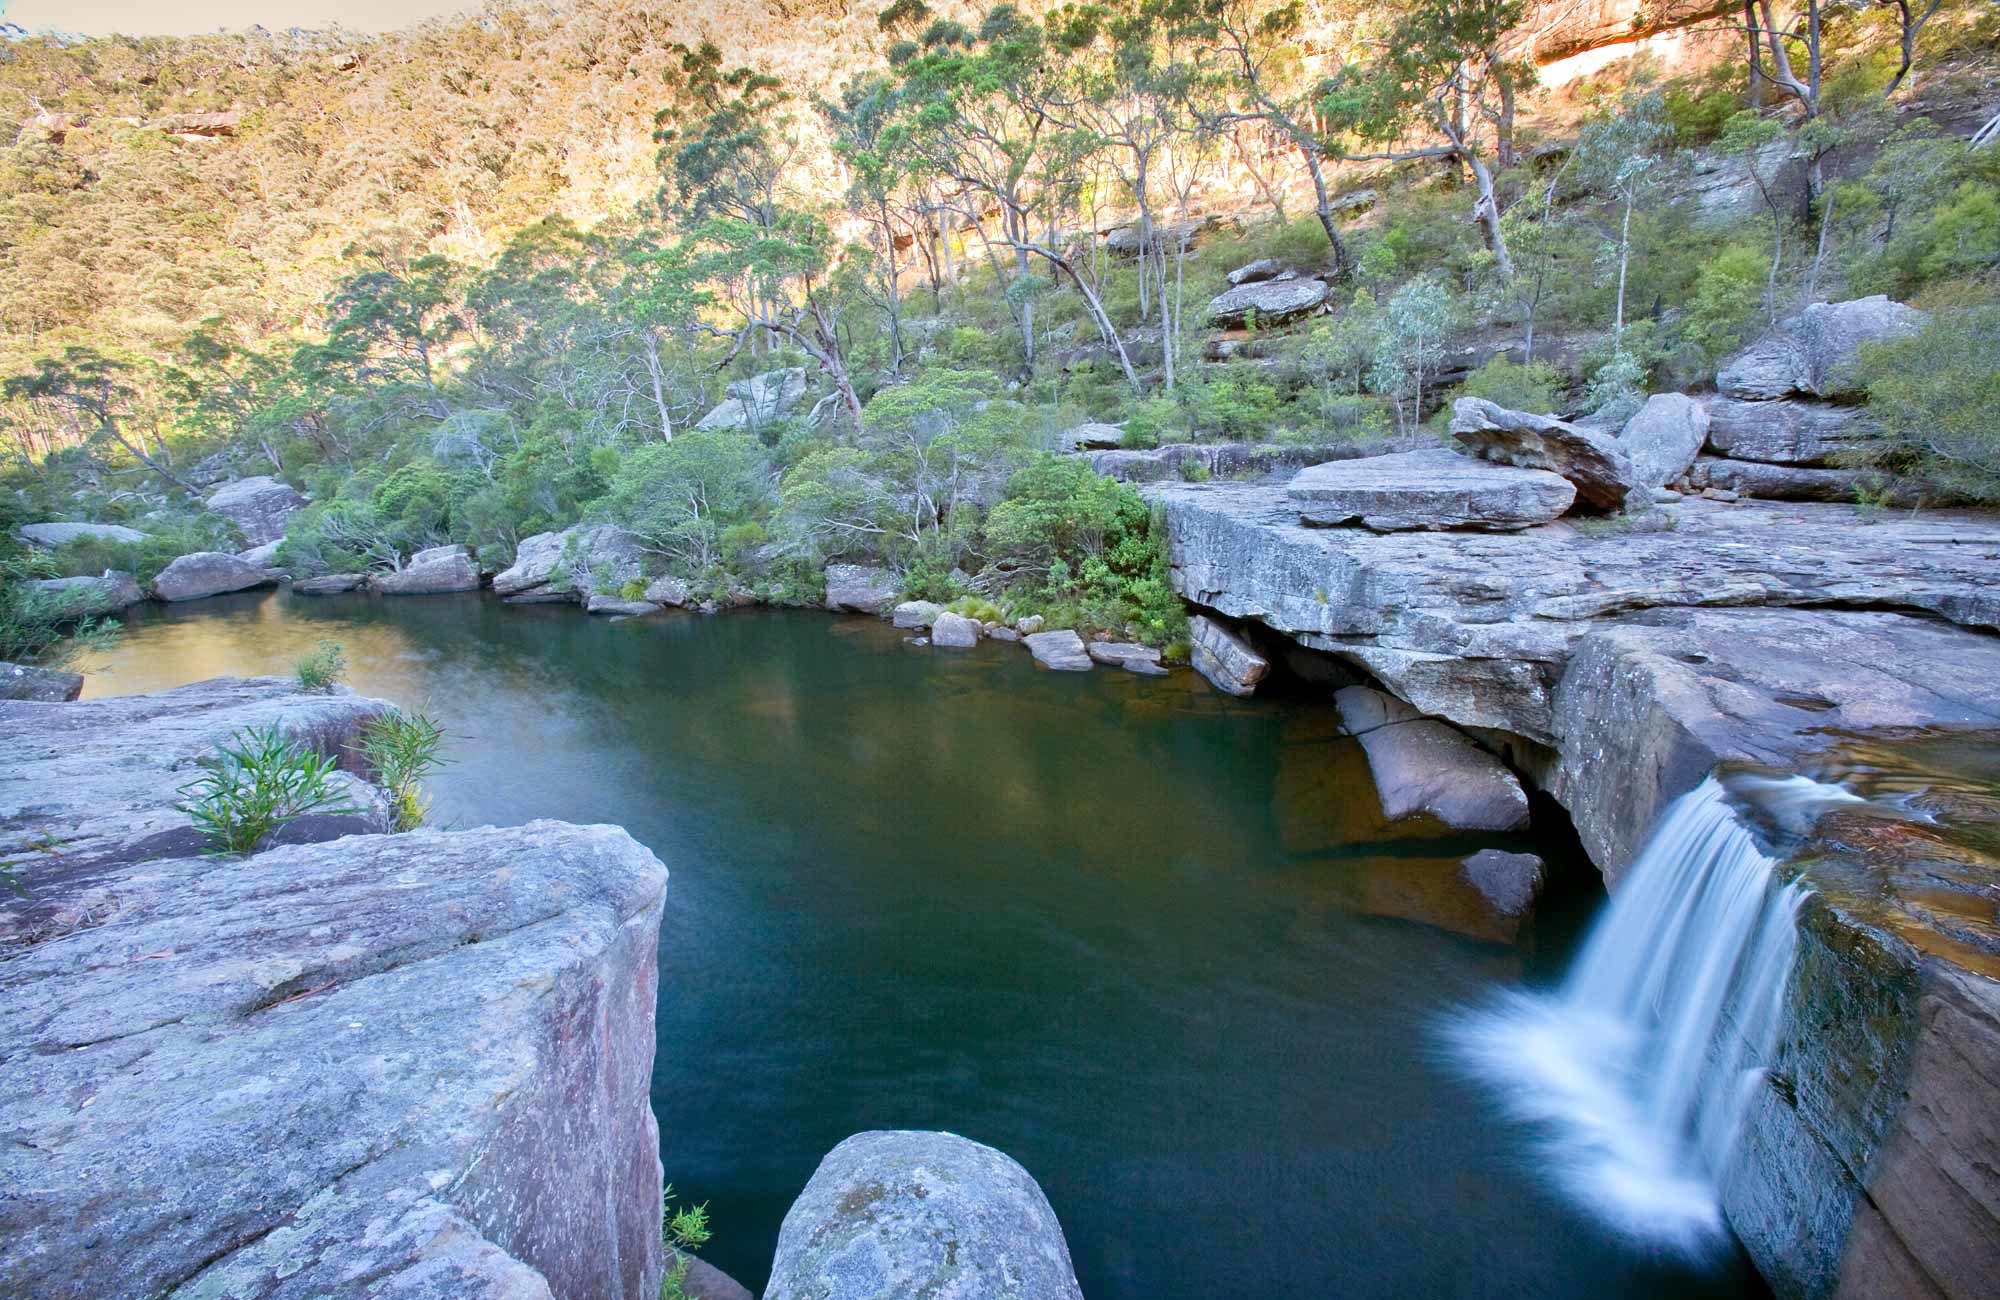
[
  {"x": 861, "y": 588},
  {"x": 1061, "y": 650},
  {"x": 1429, "y": 489},
  {"x": 1422, "y": 765},
  {"x": 1601, "y": 469},
  {"x": 332, "y": 584},
  {"x": 1511, "y": 882},
  {"x": 46, "y": 685},
  {"x": 892, "y": 1215},
  {"x": 260, "y": 507},
  {"x": 1229, "y": 662},
  {"x": 209, "y": 573}
]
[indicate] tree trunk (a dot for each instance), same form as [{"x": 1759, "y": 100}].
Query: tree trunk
[
  {"x": 1343, "y": 265},
  {"x": 1488, "y": 213}
]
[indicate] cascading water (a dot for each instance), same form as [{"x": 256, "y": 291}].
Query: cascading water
[{"x": 1640, "y": 1068}]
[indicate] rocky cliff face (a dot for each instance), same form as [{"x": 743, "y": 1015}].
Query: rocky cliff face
[
  {"x": 1615, "y": 664},
  {"x": 413, "y": 1064}
]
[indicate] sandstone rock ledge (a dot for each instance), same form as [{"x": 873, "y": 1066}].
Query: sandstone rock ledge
[{"x": 382, "y": 1064}]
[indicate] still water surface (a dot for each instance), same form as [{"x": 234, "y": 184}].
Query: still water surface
[{"x": 1153, "y": 942}]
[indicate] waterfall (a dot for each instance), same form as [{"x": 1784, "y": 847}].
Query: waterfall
[{"x": 1638, "y": 1071}]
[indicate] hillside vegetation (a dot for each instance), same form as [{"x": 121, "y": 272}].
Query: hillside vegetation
[{"x": 485, "y": 279}]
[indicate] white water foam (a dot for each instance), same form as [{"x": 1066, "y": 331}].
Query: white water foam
[{"x": 1638, "y": 1071}]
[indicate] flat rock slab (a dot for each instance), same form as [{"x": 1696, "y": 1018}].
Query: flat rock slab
[
  {"x": 892, "y": 1215},
  {"x": 1748, "y": 478},
  {"x": 62, "y": 534},
  {"x": 1268, "y": 302},
  {"x": 89, "y": 788},
  {"x": 1422, "y": 765},
  {"x": 1437, "y": 488},
  {"x": 1117, "y": 653},
  {"x": 1062, "y": 650},
  {"x": 1091, "y": 437},
  {"x": 332, "y": 584},
  {"x": 421, "y": 1060}
]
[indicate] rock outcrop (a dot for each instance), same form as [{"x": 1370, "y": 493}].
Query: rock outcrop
[
  {"x": 259, "y": 507},
  {"x": 1090, "y": 437},
  {"x": 1784, "y": 482},
  {"x": 1239, "y": 460},
  {"x": 861, "y": 588},
  {"x": 62, "y": 534},
  {"x": 1421, "y": 765},
  {"x": 209, "y": 573},
  {"x": 1594, "y": 461},
  {"x": 431, "y": 572},
  {"x": 1815, "y": 353},
  {"x": 412, "y": 1064},
  {"x": 1230, "y": 663},
  {"x": 759, "y": 401},
  {"x": 1788, "y": 431},
  {"x": 1429, "y": 489},
  {"x": 890, "y": 1215},
  {"x": 1268, "y": 302},
  {"x": 43, "y": 685},
  {"x": 1663, "y": 439},
  {"x": 109, "y": 593},
  {"x": 572, "y": 565}
]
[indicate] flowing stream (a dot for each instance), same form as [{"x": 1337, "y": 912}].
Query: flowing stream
[
  {"x": 1639, "y": 1069},
  {"x": 1153, "y": 942}
]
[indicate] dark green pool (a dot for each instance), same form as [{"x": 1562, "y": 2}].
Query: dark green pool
[{"x": 1149, "y": 940}]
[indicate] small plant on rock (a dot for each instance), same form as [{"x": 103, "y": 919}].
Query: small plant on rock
[
  {"x": 318, "y": 671},
  {"x": 685, "y": 1229},
  {"x": 259, "y": 781},
  {"x": 402, "y": 749}
]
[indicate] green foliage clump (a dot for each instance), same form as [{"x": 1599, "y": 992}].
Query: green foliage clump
[
  {"x": 1728, "y": 291},
  {"x": 259, "y": 781},
  {"x": 1232, "y": 402},
  {"x": 1935, "y": 393},
  {"x": 1535, "y": 387},
  {"x": 43, "y": 627},
  {"x": 685, "y": 1229},
  {"x": 319, "y": 670},
  {"x": 691, "y": 499},
  {"x": 402, "y": 749}
]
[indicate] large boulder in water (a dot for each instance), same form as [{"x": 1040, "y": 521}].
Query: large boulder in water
[
  {"x": 259, "y": 506},
  {"x": 1816, "y": 353},
  {"x": 1433, "y": 488},
  {"x": 1268, "y": 302},
  {"x": 209, "y": 573},
  {"x": 431, "y": 572},
  {"x": 1230, "y": 663},
  {"x": 1422, "y": 765},
  {"x": 1602, "y": 470},
  {"x": 571, "y": 565},
  {"x": 412, "y": 1064},
  {"x": 892, "y": 1215},
  {"x": 954, "y": 631}
]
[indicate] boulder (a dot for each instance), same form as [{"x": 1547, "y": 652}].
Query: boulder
[
  {"x": 95, "y": 597},
  {"x": 1422, "y": 765},
  {"x": 1511, "y": 882},
  {"x": 1783, "y": 482},
  {"x": 954, "y": 631},
  {"x": 1091, "y": 437},
  {"x": 263, "y": 556},
  {"x": 861, "y": 588},
  {"x": 1061, "y": 650},
  {"x": 431, "y": 572},
  {"x": 1229, "y": 662},
  {"x": 758, "y": 402},
  {"x": 1353, "y": 201},
  {"x": 332, "y": 584},
  {"x": 917, "y": 613},
  {"x": 1122, "y": 653},
  {"x": 1601, "y": 470},
  {"x": 1125, "y": 241},
  {"x": 704, "y": 1281},
  {"x": 44, "y": 685},
  {"x": 892, "y": 1215},
  {"x": 1788, "y": 431},
  {"x": 1268, "y": 303},
  {"x": 1264, "y": 268},
  {"x": 54, "y": 535},
  {"x": 1663, "y": 439},
  {"x": 1815, "y": 353},
  {"x": 1001, "y": 632},
  {"x": 569, "y": 565},
  {"x": 671, "y": 593},
  {"x": 258, "y": 506},
  {"x": 209, "y": 573},
  {"x": 1435, "y": 488},
  {"x": 621, "y": 608},
  {"x": 1029, "y": 625}
]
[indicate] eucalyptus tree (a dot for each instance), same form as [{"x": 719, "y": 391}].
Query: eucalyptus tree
[
  {"x": 1621, "y": 153},
  {"x": 884, "y": 186}
]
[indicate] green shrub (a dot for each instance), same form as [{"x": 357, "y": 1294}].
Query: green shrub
[
  {"x": 38, "y": 626},
  {"x": 319, "y": 670},
  {"x": 402, "y": 749},
  {"x": 1231, "y": 402},
  {"x": 685, "y": 1230},
  {"x": 1935, "y": 393},
  {"x": 1728, "y": 293},
  {"x": 1535, "y": 387},
  {"x": 259, "y": 781}
]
